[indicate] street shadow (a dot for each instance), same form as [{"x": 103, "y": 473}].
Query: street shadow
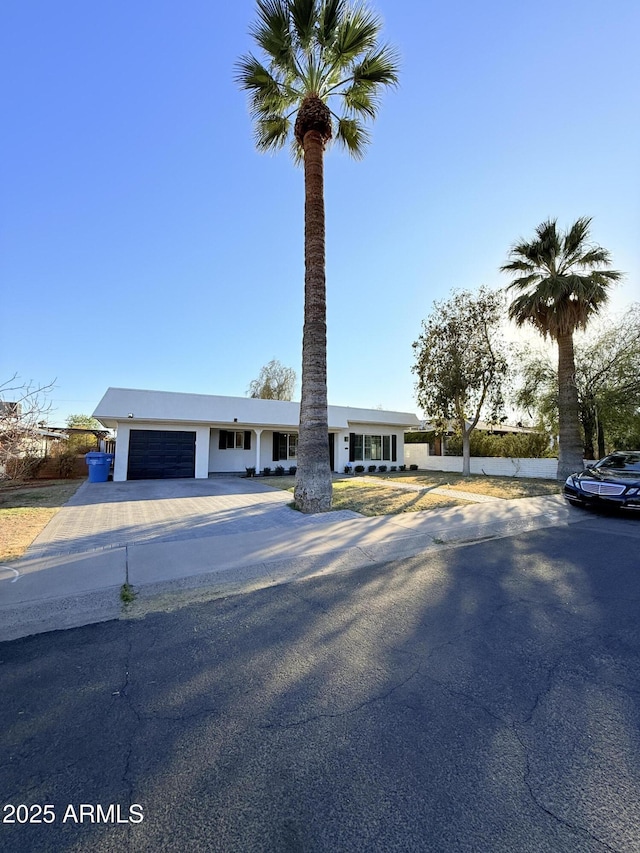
[{"x": 479, "y": 697}]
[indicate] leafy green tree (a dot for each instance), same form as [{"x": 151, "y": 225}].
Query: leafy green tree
[
  {"x": 81, "y": 442},
  {"x": 461, "y": 363},
  {"x": 607, "y": 377},
  {"x": 537, "y": 391},
  {"x": 274, "y": 382},
  {"x": 316, "y": 53},
  {"x": 510, "y": 446},
  {"x": 83, "y": 422},
  {"x": 608, "y": 380},
  {"x": 561, "y": 282}
]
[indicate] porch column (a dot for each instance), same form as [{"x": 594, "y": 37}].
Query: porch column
[{"x": 258, "y": 433}]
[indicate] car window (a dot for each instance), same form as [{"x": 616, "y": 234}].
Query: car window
[{"x": 624, "y": 462}]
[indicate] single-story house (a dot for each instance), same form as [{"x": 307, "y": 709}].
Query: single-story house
[{"x": 162, "y": 434}]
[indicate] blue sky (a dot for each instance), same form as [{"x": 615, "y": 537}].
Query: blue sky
[{"x": 144, "y": 243}]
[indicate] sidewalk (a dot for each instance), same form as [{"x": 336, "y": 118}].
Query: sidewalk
[{"x": 222, "y": 538}]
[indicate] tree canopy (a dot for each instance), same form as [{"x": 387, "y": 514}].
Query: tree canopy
[
  {"x": 461, "y": 362},
  {"x": 81, "y": 421},
  {"x": 274, "y": 382},
  {"x": 324, "y": 54},
  {"x": 607, "y": 362}
]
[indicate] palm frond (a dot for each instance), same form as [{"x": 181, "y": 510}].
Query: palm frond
[
  {"x": 356, "y": 32},
  {"x": 359, "y": 100},
  {"x": 378, "y": 67},
  {"x": 527, "y": 308},
  {"x": 254, "y": 76},
  {"x": 524, "y": 282},
  {"x": 297, "y": 152},
  {"x": 594, "y": 257},
  {"x": 331, "y": 13},
  {"x": 272, "y": 32},
  {"x": 267, "y": 95},
  {"x": 517, "y": 266},
  {"x": 353, "y": 136},
  {"x": 271, "y": 133},
  {"x": 574, "y": 239},
  {"x": 304, "y": 17}
]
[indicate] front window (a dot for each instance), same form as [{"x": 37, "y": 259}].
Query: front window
[
  {"x": 372, "y": 448},
  {"x": 286, "y": 446}
]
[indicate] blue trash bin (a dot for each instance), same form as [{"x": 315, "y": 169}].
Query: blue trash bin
[{"x": 99, "y": 465}]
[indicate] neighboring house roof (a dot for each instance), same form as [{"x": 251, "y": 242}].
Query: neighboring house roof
[
  {"x": 484, "y": 426},
  {"x": 52, "y": 432},
  {"x": 122, "y": 404}
]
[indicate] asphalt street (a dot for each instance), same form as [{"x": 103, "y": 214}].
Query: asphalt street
[{"x": 483, "y": 697}]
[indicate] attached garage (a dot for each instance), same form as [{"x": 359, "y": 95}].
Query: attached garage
[{"x": 161, "y": 454}]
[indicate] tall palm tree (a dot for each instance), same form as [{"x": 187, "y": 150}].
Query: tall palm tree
[
  {"x": 316, "y": 53},
  {"x": 562, "y": 281}
]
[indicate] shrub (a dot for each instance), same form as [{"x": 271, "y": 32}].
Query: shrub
[
  {"x": 511, "y": 445},
  {"x": 279, "y": 471},
  {"x": 371, "y": 469},
  {"x": 266, "y": 472},
  {"x": 382, "y": 468},
  {"x": 413, "y": 467},
  {"x": 403, "y": 467},
  {"x": 359, "y": 469},
  {"x": 293, "y": 469},
  {"x": 251, "y": 472},
  {"x": 24, "y": 467},
  {"x": 394, "y": 468},
  {"x": 66, "y": 464}
]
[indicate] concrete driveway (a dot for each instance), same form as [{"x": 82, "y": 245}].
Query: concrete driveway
[{"x": 111, "y": 515}]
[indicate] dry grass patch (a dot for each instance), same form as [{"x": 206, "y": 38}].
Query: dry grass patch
[
  {"x": 497, "y": 487},
  {"x": 369, "y": 498},
  {"x": 26, "y": 509},
  {"x": 381, "y": 499}
]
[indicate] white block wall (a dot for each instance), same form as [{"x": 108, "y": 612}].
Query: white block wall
[{"x": 544, "y": 469}]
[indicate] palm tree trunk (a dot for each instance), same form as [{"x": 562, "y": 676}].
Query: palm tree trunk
[
  {"x": 589, "y": 425},
  {"x": 570, "y": 450},
  {"x": 313, "y": 478}
]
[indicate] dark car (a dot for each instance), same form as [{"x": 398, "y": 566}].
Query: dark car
[{"x": 612, "y": 482}]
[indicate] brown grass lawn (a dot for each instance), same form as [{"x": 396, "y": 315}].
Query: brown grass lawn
[
  {"x": 497, "y": 487},
  {"x": 369, "y": 498},
  {"x": 26, "y": 509},
  {"x": 381, "y": 498}
]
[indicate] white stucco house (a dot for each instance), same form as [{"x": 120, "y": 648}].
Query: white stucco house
[{"x": 163, "y": 434}]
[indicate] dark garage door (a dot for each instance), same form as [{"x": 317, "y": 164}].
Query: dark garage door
[{"x": 161, "y": 454}]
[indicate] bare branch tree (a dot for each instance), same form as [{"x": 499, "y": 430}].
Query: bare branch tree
[{"x": 24, "y": 408}]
